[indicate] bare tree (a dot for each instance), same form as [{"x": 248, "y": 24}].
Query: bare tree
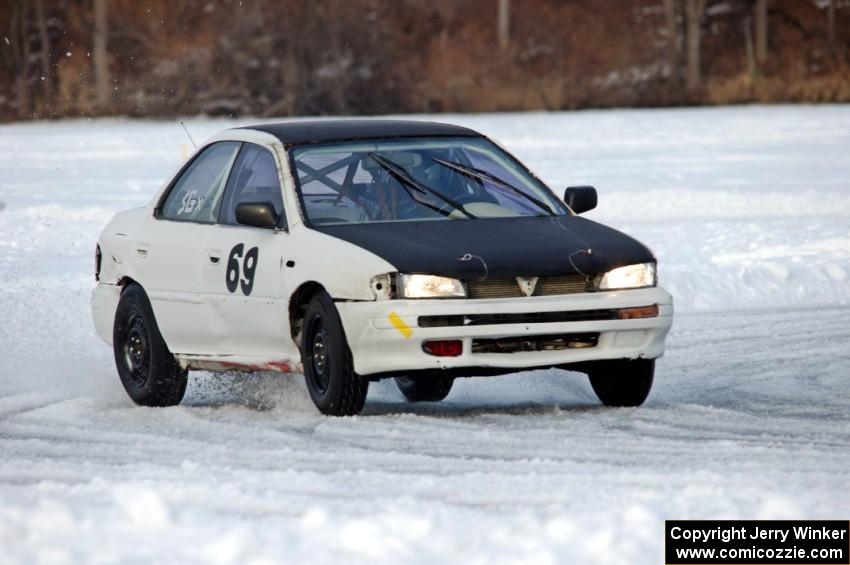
[
  {"x": 672, "y": 28},
  {"x": 761, "y": 31},
  {"x": 17, "y": 57},
  {"x": 694, "y": 10},
  {"x": 335, "y": 59},
  {"x": 44, "y": 52},
  {"x": 103, "y": 87},
  {"x": 445, "y": 12},
  {"x": 504, "y": 23},
  {"x": 291, "y": 79},
  {"x": 674, "y": 39},
  {"x": 831, "y": 24},
  {"x": 752, "y": 66}
]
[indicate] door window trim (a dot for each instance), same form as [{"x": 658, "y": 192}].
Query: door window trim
[
  {"x": 157, "y": 211},
  {"x": 282, "y": 224}
]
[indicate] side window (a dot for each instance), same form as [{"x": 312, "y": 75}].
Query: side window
[
  {"x": 254, "y": 179},
  {"x": 196, "y": 196}
]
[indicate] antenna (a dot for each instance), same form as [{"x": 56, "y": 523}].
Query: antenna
[{"x": 189, "y": 134}]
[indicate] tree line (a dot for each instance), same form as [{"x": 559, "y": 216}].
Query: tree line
[{"x": 298, "y": 57}]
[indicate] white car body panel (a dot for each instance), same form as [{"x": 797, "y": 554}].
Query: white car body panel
[
  {"x": 194, "y": 312},
  {"x": 207, "y": 327}
]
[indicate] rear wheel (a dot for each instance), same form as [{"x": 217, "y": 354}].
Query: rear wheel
[
  {"x": 622, "y": 382},
  {"x": 148, "y": 370},
  {"x": 335, "y": 388},
  {"x": 425, "y": 388}
]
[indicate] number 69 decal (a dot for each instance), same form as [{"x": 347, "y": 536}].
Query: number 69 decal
[{"x": 249, "y": 269}]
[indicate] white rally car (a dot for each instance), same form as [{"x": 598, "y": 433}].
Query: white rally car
[{"x": 356, "y": 250}]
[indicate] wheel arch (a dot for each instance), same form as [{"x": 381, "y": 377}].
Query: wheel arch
[
  {"x": 150, "y": 373},
  {"x": 298, "y": 306},
  {"x": 126, "y": 281}
]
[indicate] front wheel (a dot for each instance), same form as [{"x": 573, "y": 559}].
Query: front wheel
[
  {"x": 335, "y": 388},
  {"x": 149, "y": 372},
  {"x": 425, "y": 388},
  {"x": 622, "y": 382}
]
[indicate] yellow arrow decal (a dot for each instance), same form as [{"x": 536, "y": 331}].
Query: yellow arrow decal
[{"x": 399, "y": 324}]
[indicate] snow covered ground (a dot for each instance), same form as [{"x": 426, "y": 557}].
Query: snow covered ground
[{"x": 748, "y": 210}]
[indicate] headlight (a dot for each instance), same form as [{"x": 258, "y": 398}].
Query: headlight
[
  {"x": 632, "y": 276},
  {"x": 430, "y": 286}
]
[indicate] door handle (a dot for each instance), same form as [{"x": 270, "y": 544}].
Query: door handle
[
  {"x": 142, "y": 249},
  {"x": 214, "y": 256}
]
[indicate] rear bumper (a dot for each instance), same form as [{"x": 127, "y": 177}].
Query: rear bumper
[
  {"x": 104, "y": 302},
  {"x": 385, "y": 336}
]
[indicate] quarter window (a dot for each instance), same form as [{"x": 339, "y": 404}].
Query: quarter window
[
  {"x": 254, "y": 179},
  {"x": 196, "y": 196}
]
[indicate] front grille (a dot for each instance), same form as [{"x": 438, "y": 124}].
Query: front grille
[
  {"x": 494, "y": 288},
  {"x": 518, "y": 344},
  {"x": 455, "y": 320},
  {"x": 570, "y": 284},
  {"x": 546, "y": 286}
]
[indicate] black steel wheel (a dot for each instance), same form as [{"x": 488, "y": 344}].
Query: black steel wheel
[
  {"x": 335, "y": 388},
  {"x": 431, "y": 387},
  {"x": 149, "y": 372},
  {"x": 622, "y": 382},
  {"x": 135, "y": 347},
  {"x": 318, "y": 354}
]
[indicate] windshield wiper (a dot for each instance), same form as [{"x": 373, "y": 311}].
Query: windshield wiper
[
  {"x": 472, "y": 172},
  {"x": 405, "y": 179}
]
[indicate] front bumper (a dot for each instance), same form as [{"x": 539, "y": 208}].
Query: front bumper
[
  {"x": 104, "y": 302},
  {"x": 380, "y": 344}
]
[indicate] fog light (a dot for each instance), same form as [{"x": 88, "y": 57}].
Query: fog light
[
  {"x": 443, "y": 347},
  {"x": 639, "y": 312}
]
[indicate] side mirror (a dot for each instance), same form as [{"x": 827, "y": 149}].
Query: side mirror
[
  {"x": 580, "y": 198},
  {"x": 256, "y": 214}
]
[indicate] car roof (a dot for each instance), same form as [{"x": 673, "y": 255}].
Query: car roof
[{"x": 316, "y": 131}]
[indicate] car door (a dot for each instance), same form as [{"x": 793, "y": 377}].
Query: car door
[
  {"x": 243, "y": 269},
  {"x": 170, "y": 248}
]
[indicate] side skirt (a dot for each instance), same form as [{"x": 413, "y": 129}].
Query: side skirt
[{"x": 225, "y": 363}]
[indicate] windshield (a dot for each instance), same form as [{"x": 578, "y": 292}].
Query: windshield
[{"x": 416, "y": 179}]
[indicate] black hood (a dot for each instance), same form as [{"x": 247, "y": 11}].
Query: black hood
[{"x": 510, "y": 247}]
